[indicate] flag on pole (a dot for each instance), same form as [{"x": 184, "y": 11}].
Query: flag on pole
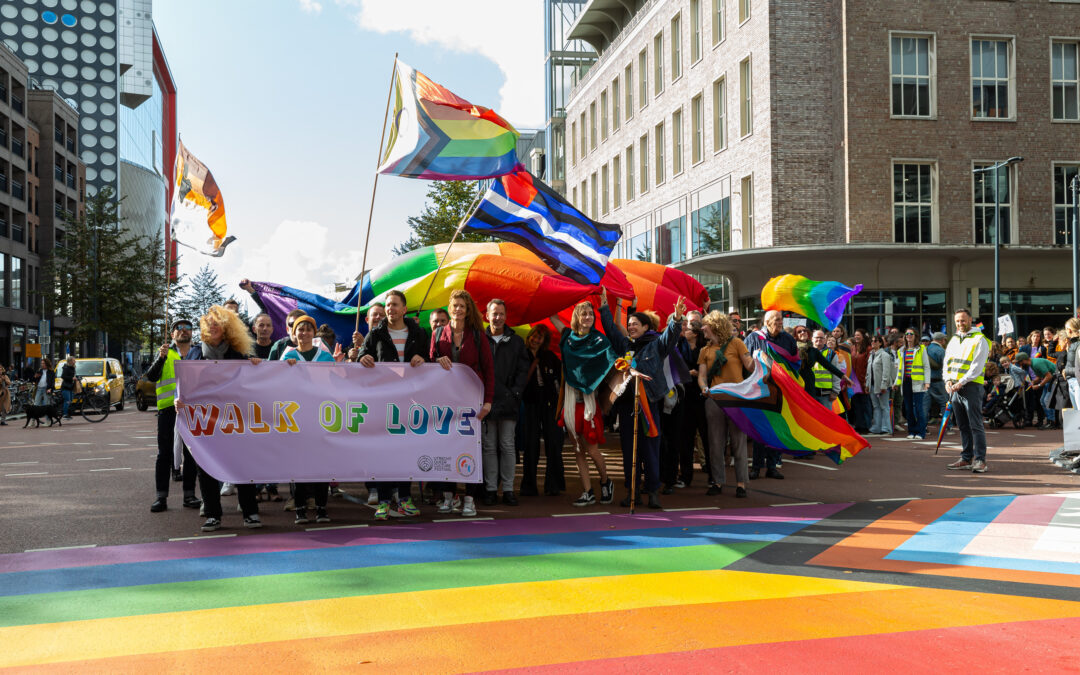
[
  {"x": 201, "y": 205},
  {"x": 437, "y": 135},
  {"x": 520, "y": 208}
]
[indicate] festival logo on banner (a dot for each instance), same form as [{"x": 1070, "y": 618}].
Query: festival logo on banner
[{"x": 272, "y": 422}]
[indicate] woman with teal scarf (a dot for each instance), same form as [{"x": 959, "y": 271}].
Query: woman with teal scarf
[{"x": 587, "y": 358}]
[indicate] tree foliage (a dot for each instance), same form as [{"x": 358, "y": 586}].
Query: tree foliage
[
  {"x": 202, "y": 291},
  {"x": 448, "y": 202}
]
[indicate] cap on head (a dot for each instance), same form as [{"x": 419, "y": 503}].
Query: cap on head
[{"x": 938, "y": 336}]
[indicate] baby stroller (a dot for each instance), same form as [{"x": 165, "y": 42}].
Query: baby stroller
[{"x": 1006, "y": 406}]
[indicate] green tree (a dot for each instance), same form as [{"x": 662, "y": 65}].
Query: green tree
[
  {"x": 448, "y": 202},
  {"x": 202, "y": 291}
]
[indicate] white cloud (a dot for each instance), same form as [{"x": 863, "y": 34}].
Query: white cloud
[
  {"x": 507, "y": 32},
  {"x": 311, "y": 6}
]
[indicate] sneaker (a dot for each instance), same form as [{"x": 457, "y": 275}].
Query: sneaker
[
  {"x": 773, "y": 473},
  {"x": 607, "y": 491},
  {"x": 740, "y": 492},
  {"x": 679, "y": 484},
  {"x": 290, "y": 504},
  {"x": 959, "y": 464},
  {"x": 211, "y": 524},
  {"x": 654, "y": 501},
  {"x": 469, "y": 507},
  {"x": 372, "y": 497},
  {"x": 978, "y": 466},
  {"x": 253, "y": 521},
  {"x": 407, "y": 508},
  {"x": 446, "y": 502},
  {"x": 491, "y": 498},
  {"x": 321, "y": 516},
  {"x": 456, "y": 504},
  {"x": 159, "y": 505},
  {"x": 335, "y": 491},
  {"x": 713, "y": 490},
  {"x": 383, "y": 511},
  {"x": 227, "y": 489},
  {"x": 911, "y": 436},
  {"x": 586, "y": 499},
  {"x": 510, "y": 499},
  {"x": 192, "y": 502},
  {"x": 301, "y": 516}
]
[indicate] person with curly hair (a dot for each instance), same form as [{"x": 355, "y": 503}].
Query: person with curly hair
[{"x": 722, "y": 361}]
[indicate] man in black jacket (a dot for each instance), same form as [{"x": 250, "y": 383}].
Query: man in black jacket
[
  {"x": 512, "y": 363},
  {"x": 395, "y": 339}
]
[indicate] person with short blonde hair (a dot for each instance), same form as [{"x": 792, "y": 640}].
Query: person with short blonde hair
[{"x": 722, "y": 361}]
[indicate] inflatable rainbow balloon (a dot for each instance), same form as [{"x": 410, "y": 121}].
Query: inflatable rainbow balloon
[{"x": 820, "y": 301}]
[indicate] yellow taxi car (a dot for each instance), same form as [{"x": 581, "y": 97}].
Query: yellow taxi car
[{"x": 103, "y": 373}]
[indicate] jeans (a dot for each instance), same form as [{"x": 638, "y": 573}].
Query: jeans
[
  {"x": 880, "y": 424},
  {"x": 1044, "y": 401},
  {"x": 1074, "y": 392},
  {"x": 66, "y": 394},
  {"x": 648, "y": 449},
  {"x": 500, "y": 457},
  {"x": 913, "y": 409},
  {"x": 967, "y": 409},
  {"x": 722, "y": 428},
  {"x": 41, "y": 395},
  {"x": 935, "y": 393}
]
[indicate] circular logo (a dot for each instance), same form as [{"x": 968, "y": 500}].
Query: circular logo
[
  {"x": 424, "y": 463},
  {"x": 466, "y": 465}
]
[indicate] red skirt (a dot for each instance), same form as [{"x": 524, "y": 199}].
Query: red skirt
[{"x": 591, "y": 432}]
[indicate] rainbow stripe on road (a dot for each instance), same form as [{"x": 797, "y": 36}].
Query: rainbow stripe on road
[{"x": 613, "y": 591}]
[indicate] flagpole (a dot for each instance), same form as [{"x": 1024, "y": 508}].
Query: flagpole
[
  {"x": 169, "y": 240},
  {"x": 374, "y": 187},
  {"x": 446, "y": 254}
]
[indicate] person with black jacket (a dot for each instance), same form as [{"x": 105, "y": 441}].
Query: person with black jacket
[
  {"x": 396, "y": 338},
  {"x": 511, "y": 375},
  {"x": 67, "y": 383},
  {"x": 541, "y": 398}
]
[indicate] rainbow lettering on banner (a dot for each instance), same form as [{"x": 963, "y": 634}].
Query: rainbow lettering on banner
[{"x": 820, "y": 301}]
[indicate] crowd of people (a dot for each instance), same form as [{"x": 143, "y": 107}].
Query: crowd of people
[{"x": 568, "y": 386}]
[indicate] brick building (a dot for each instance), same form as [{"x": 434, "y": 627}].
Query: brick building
[{"x": 743, "y": 139}]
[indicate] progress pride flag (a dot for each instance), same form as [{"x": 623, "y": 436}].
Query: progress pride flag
[{"x": 312, "y": 422}]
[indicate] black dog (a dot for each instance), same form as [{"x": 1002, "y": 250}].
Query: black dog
[{"x": 36, "y": 412}]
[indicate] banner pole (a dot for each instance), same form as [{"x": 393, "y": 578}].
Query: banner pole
[
  {"x": 461, "y": 224},
  {"x": 169, "y": 239},
  {"x": 374, "y": 187},
  {"x": 633, "y": 462}
]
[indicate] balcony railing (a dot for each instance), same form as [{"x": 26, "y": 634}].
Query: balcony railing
[
  {"x": 16, "y": 190},
  {"x": 58, "y": 172},
  {"x": 17, "y": 233},
  {"x": 58, "y": 209},
  {"x": 16, "y": 147},
  {"x": 58, "y": 134},
  {"x": 3, "y": 94},
  {"x": 3, "y": 228},
  {"x": 70, "y": 144},
  {"x": 3, "y": 138},
  {"x": 3, "y": 183},
  {"x": 16, "y": 104},
  {"x": 71, "y": 181}
]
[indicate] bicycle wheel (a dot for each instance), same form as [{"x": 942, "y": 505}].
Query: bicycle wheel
[{"x": 95, "y": 407}]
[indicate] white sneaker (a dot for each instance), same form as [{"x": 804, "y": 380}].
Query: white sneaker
[
  {"x": 469, "y": 507},
  {"x": 445, "y": 503},
  {"x": 227, "y": 489},
  {"x": 911, "y": 436},
  {"x": 373, "y": 497},
  {"x": 456, "y": 504}
]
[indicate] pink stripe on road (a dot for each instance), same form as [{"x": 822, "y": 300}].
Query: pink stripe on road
[
  {"x": 1031, "y": 510},
  {"x": 384, "y": 534}
]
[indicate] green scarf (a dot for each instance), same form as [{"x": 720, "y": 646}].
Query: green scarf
[
  {"x": 586, "y": 359},
  {"x": 719, "y": 361}
]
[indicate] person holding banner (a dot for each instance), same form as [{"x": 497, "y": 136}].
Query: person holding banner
[
  {"x": 462, "y": 341},
  {"x": 395, "y": 339},
  {"x": 306, "y": 350},
  {"x": 225, "y": 338}
]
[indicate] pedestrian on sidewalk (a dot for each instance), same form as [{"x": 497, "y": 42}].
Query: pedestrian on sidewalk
[{"x": 965, "y": 360}]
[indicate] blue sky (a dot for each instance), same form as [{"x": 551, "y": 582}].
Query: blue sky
[{"x": 284, "y": 101}]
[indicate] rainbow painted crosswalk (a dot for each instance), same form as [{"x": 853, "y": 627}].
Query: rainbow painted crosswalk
[{"x": 674, "y": 590}]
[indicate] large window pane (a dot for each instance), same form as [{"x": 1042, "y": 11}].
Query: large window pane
[
  {"x": 641, "y": 247},
  {"x": 913, "y": 203},
  {"x": 711, "y": 228},
  {"x": 671, "y": 242}
]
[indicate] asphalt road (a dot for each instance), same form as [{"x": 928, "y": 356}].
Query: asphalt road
[{"x": 92, "y": 484}]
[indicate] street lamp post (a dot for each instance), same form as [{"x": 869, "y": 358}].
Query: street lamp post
[
  {"x": 996, "y": 168},
  {"x": 1075, "y": 250}
]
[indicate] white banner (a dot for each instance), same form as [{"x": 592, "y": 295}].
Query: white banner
[{"x": 312, "y": 422}]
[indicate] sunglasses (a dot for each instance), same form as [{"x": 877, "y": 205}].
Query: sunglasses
[{"x": 182, "y": 327}]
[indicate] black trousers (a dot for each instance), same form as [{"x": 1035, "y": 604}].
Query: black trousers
[
  {"x": 671, "y": 443},
  {"x": 319, "y": 491},
  {"x": 693, "y": 423},
  {"x": 538, "y": 422},
  {"x": 386, "y": 489},
  {"x": 166, "y": 421},
  {"x": 211, "y": 496}
]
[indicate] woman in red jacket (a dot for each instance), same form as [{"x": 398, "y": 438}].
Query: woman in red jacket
[{"x": 462, "y": 342}]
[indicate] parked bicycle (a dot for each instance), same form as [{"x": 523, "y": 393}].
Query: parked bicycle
[{"x": 92, "y": 404}]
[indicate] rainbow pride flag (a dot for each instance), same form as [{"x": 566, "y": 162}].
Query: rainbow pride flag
[
  {"x": 437, "y": 135},
  {"x": 772, "y": 408},
  {"x": 820, "y": 301}
]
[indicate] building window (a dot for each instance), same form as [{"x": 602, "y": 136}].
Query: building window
[
  {"x": 16, "y": 282},
  {"x": 746, "y": 86},
  {"x": 573, "y": 143},
  {"x": 592, "y": 126},
  {"x": 658, "y": 63},
  {"x": 616, "y": 182},
  {"x": 710, "y": 228},
  {"x": 912, "y": 76},
  {"x": 643, "y": 170},
  {"x": 605, "y": 188},
  {"x": 603, "y": 115},
  {"x": 748, "y": 212},
  {"x": 913, "y": 203},
  {"x": 584, "y": 197},
  {"x": 643, "y": 78},
  {"x": 676, "y": 142},
  {"x": 615, "y": 105},
  {"x": 628, "y": 82},
  {"x": 695, "y": 31},
  {"x": 641, "y": 246},
  {"x": 573, "y": 198},
  {"x": 671, "y": 241},
  {"x": 658, "y": 161},
  {"x": 697, "y": 111},
  {"x": 744, "y": 10},
  {"x": 629, "y": 172},
  {"x": 676, "y": 47},
  {"x": 584, "y": 147},
  {"x": 594, "y": 197},
  {"x": 718, "y": 7},
  {"x": 985, "y": 192},
  {"x": 991, "y": 79},
  {"x": 719, "y": 115},
  {"x": 1063, "y": 202},
  {"x": 1064, "y": 81},
  {"x": 3, "y": 280}
]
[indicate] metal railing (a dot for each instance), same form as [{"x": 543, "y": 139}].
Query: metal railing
[
  {"x": 58, "y": 172},
  {"x": 58, "y": 134},
  {"x": 16, "y": 147},
  {"x": 16, "y": 190},
  {"x": 70, "y": 144},
  {"x": 71, "y": 181},
  {"x": 16, "y": 104}
]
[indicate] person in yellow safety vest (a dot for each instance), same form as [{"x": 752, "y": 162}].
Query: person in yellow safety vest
[
  {"x": 913, "y": 376},
  {"x": 826, "y": 386},
  {"x": 163, "y": 372},
  {"x": 965, "y": 360}
]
